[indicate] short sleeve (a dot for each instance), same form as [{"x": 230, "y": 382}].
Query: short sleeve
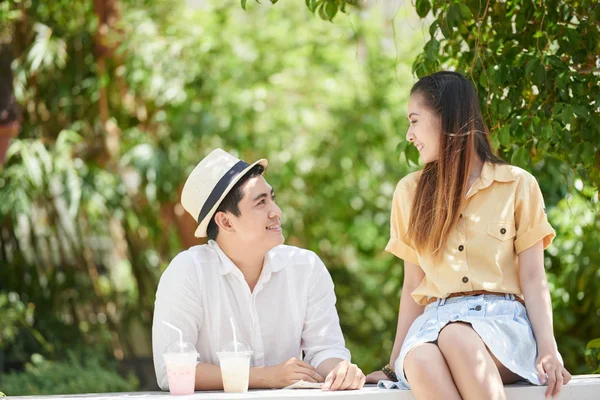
[
  {"x": 530, "y": 217},
  {"x": 400, "y": 217}
]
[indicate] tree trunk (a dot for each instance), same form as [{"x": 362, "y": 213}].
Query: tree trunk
[{"x": 10, "y": 124}]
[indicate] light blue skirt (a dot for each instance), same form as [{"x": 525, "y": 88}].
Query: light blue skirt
[{"x": 500, "y": 321}]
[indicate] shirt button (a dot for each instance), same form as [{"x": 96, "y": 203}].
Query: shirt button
[
  {"x": 465, "y": 279},
  {"x": 478, "y": 308},
  {"x": 503, "y": 231},
  {"x": 461, "y": 247}
]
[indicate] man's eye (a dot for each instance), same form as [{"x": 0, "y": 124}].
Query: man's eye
[
  {"x": 261, "y": 202},
  {"x": 273, "y": 197}
]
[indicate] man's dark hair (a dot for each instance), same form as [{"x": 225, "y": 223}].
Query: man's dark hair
[{"x": 231, "y": 201}]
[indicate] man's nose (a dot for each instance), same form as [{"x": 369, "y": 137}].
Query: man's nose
[{"x": 276, "y": 211}]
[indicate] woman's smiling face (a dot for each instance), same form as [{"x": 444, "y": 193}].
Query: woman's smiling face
[{"x": 425, "y": 129}]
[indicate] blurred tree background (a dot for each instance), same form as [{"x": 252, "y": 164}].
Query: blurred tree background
[{"x": 119, "y": 100}]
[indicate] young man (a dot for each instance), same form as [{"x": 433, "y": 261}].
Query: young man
[{"x": 280, "y": 297}]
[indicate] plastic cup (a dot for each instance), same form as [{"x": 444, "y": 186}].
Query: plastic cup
[
  {"x": 181, "y": 364},
  {"x": 235, "y": 370}
]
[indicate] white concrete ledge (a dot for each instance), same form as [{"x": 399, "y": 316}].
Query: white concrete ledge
[{"x": 582, "y": 387}]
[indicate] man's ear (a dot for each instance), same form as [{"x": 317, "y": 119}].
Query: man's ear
[{"x": 223, "y": 222}]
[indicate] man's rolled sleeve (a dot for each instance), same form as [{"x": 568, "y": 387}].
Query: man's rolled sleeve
[
  {"x": 178, "y": 303},
  {"x": 398, "y": 244},
  {"x": 322, "y": 336},
  {"x": 530, "y": 217}
]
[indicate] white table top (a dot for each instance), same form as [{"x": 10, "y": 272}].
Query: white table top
[{"x": 582, "y": 387}]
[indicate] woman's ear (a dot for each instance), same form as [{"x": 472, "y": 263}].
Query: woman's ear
[{"x": 223, "y": 222}]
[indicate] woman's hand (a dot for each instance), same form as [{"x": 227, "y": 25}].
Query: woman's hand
[
  {"x": 549, "y": 364},
  {"x": 376, "y": 376}
]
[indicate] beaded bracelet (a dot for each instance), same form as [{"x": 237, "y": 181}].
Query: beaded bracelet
[{"x": 389, "y": 373}]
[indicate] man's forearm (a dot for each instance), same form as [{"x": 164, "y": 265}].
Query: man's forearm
[
  {"x": 327, "y": 365},
  {"x": 208, "y": 377}
]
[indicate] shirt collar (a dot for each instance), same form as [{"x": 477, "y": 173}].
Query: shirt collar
[
  {"x": 226, "y": 265},
  {"x": 273, "y": 260},
  {"x": 492, "y": 172}
]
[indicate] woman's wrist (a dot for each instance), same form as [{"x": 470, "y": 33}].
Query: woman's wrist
[
  {"x": 389, "y": 372},
  {"x": 547, "y": 346}
]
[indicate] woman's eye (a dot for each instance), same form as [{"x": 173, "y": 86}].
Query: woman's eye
[{"x": 413, "y": 122}]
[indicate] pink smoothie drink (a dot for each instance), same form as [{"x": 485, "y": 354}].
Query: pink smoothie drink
[{"x": 181, "y": 372}]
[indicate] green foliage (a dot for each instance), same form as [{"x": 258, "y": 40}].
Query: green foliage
[
  {"x": 326, "y": 9},
  {"x": 535, "y": 67},
  {"x": 593, "y": 355},
  {"x": 573, "y": 273},
  {"x": 85, "y": 235},
  {"x": 85, "y": 230},
  {"x": 43, "y": 377}
]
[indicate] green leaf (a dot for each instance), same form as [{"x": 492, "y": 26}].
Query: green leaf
[
  {"x": 312, "y": 5},
  {"x": 244, "y": 4},
  {"x": 453, "y": 15},
  {"x": 483, "y": 81},
  {"x": 423, "y": 7},
  {"x": 331, "y": 10},
  {"x": 434, "y": 27},
  {"x": 539, "y": 75},
  {"x": 520, "y": 157},
  {"x": 412, "y": 154},
  {"x": 465, "y": 11},
  {"x": 593, "y": 344},
  {"x": 504, "y": 135},
  {"x": 432, "y": 47}
]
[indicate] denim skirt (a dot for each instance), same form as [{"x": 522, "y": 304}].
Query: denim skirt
[{"x": 500, "y": 321}]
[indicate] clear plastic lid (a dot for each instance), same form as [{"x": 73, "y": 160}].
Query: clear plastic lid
[
  {"x": 181, "y": 347},
  {"x": 242, "y": 347}
]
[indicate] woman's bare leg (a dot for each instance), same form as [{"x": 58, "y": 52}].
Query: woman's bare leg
[
  {"x": 428, "y": 374},
  {"x": 476, "y": 372}
]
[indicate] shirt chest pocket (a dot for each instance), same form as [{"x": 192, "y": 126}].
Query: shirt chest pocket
[{"x": 501, "y": 230}]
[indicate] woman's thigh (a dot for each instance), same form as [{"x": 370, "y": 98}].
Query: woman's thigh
[{"x": 460, "y": 338}]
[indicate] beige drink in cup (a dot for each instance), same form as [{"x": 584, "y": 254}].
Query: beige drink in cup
[{"x": 235, "y": 370}]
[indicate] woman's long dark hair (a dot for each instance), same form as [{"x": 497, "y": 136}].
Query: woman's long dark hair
[{"x": 442, "y": 186}]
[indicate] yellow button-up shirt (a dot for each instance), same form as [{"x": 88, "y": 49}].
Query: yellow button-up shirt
[{"x": 503, "y": 215}]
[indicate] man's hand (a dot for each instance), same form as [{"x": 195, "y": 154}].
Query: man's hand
[
  {"x": 291, "y": 371},
  {"x": 344, "y": 376},
  {"x": 376, "y": 376}
]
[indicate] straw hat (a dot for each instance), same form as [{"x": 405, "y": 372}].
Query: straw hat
[{"x": 209, "y": 183}]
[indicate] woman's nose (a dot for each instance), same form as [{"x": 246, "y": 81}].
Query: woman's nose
[{"x": 410, "y": 136}]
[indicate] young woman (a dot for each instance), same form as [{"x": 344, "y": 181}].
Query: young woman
[{"x": 475, "y": 310}]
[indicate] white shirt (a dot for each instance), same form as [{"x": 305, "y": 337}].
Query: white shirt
[{"x": 292, "y": 307}]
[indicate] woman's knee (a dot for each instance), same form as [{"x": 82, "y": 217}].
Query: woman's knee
[{"x": 423, "y": 361}]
